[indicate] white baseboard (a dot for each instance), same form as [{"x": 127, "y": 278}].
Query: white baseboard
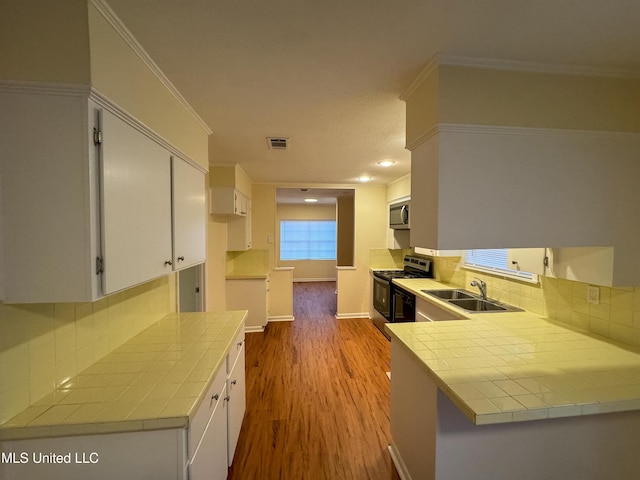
[
  {"x": 254, "y": 329},
  {"x": 401, "y": 468},
  {"x": 300, "y": 280},
  {"x": 352, "y": 315},
  {"x": 282, "y": 318}
]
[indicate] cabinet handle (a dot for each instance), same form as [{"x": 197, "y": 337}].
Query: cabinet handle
[
  {"x": 240, "y": 344},
  {"x": 233, "y": 382},
  {"x": 181, "y": 259},
  {"x": 168, "y": 262},
  {"x": 215, "y": 397},
  {"x": 227, "y": 398}
]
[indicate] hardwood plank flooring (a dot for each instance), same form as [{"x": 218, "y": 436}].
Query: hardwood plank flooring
[{"x": 317, "y": 396}]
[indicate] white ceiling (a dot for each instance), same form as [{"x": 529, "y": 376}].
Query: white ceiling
[{"x": 328, "y": 74}]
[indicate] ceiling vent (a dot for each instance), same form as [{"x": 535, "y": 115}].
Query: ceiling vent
[{"x": 278, "y": 143}]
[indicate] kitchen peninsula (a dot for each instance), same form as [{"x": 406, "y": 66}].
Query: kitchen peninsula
[{"x": 510, "y": 395}]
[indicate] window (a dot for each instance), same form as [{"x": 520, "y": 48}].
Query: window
[
  {"x": 495, "y": 260},
  {"x": 307, "y": 240}
]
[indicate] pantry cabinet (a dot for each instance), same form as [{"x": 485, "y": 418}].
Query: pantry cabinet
[{"x": 87, "y": 199}]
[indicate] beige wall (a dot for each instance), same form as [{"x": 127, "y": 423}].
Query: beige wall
[
  {"x": 423, "y": 110},
  {"x": 306, "y": 269},
  {"x": 399, "y": 188},
  {"x": 346, "y": 231},
  {"x": 119, "y": 73},
  {"x": 468, "y": 95},
  {"x": 44, "y": 41},
  {"x": 481, "y": 96}
]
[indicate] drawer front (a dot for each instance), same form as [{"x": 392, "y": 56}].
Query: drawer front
[
  {"x": 236, "y": 348},
  {"x": 214, "y": 395}
]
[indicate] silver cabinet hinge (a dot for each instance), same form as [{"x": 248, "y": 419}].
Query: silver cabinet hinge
[
  {"x": 99, "y": 265},
  {"x": 97, "y": 137}
]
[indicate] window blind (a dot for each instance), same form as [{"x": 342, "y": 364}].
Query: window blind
[
  {"x": 494, "y": 260},
  {"x": 307, "y": 240}
]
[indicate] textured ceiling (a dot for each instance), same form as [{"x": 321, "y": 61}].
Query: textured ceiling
[{"x": 329, "y": 74}]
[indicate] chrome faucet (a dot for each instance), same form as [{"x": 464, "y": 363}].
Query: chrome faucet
[{"x": 476, "y": 282}]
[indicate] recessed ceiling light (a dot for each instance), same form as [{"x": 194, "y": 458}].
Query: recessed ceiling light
[
  {"x": 386, "y": 163},
  {"x": 310, "y": 200},
  {"x": 364, "y": 178}
]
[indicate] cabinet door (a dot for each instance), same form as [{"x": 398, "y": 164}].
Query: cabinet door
[
  {"x": 429, "y": 312},
  {"x": 136, "y": 206},
  {"x": 189, "y": 214},
  {"x": 210, "y": 459},
  {"x": 237, "y": 401},
  {"x": 526, "y": 259}
]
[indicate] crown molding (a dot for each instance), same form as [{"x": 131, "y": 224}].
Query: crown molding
[
  {"x": 44, "y": 88},
  {"x": 429, "y": 68},
  {"x": 109, "y": 15}
]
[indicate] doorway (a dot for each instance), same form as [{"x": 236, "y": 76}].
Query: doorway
[
  {"x": 306, "y": 220},
  {"x": 190, "y": 281}
]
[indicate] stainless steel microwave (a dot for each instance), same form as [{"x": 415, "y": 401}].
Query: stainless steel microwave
[{"x": 399, "y": 215}]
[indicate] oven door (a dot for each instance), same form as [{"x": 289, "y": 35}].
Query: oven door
[
  {"x": 404, "y": 306},
  {"x": 382, "y": 296}
]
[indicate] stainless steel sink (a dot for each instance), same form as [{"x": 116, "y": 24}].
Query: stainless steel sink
[
  {"x": 470, "y": 302},
  {"x": 449, "y": 294},
  {"x": 478, "y": 305}
]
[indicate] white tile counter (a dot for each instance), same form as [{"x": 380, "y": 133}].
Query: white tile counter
[
  {"x": 503, "y": 367},
  {"x": 154, "y": 381}
]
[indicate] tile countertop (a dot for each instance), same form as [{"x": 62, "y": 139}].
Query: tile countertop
[
  {"x": 518, "y": 366},
  {"x": 154, "y": 381}
]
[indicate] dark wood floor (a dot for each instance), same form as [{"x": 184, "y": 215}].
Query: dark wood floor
[{"x": 317, "y": 396}]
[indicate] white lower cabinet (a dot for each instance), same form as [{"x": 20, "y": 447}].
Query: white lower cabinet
[
  {"x": 208, "y": 434},
  {"x": 236, "y": 392},
  {"x": 202, "y": 451},
  {"x": 430, "y": 312},
  {"x": 249, "y": 294}
]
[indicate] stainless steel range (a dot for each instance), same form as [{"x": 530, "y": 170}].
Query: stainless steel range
[{"x": 392, "y": 303}]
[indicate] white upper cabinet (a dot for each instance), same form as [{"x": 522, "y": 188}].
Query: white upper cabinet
[
  {"x": 49, "y": 217},
  {"x": 189, "y": 214},
  {"x": 136, "y": 206},
  {"x": 87, "y": 202},
  {"x": 228, "y": 201}
]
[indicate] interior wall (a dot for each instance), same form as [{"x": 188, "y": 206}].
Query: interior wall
[
  {"x": 44, "y": 41},
  {"x": 483, "y": 96},
  {"x": 306, "y": 269},
  {"x": 346, "y": 231},
  {"x": 120, "y": 74}
]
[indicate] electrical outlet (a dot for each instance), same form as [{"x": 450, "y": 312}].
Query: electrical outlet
[{"x": 593, "y": 294}]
